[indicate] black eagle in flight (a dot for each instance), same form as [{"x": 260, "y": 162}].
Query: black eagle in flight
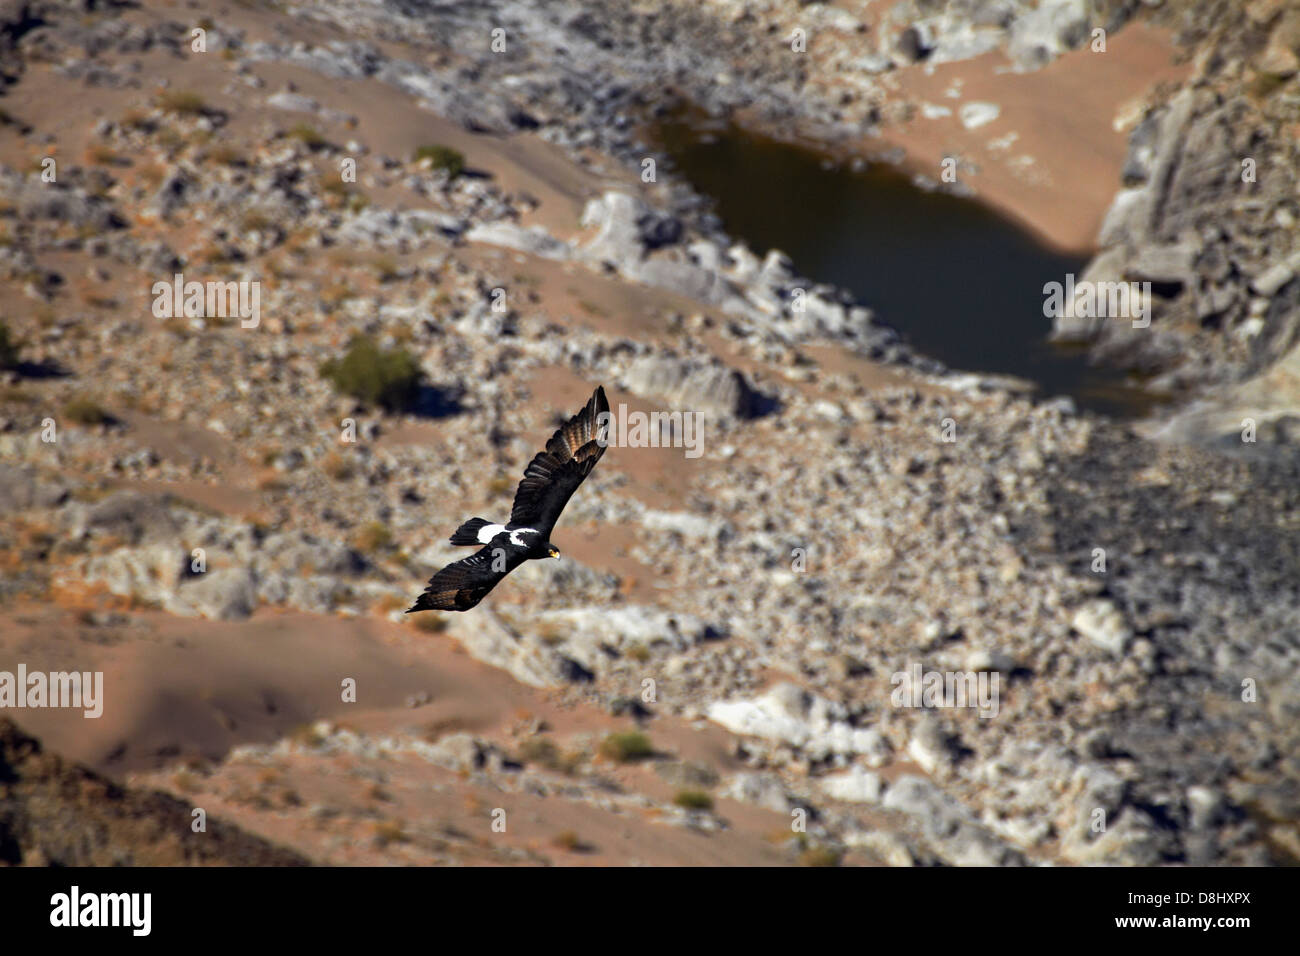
[{"x": 549, "y": 482}]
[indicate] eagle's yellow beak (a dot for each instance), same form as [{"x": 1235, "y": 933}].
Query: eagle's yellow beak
[{"x": 554, "y": 552}]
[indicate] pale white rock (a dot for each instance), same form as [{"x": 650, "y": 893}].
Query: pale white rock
[
  {"x": 1102, "y": 623},
  {"x": 587, "y": 634},
  {"x": 761, "y": 789},
  {"x": 983, "y": 659},
  {"x": 1272, "y": 279},
  {"x": 889, "y": 847},
  {"x": 746, "y": 265},
  {"x": 706, "y": 254},
  {"x": 615, "y": 215},
  {"x": 791, "y": 715},
  {"x": 975, "y": 115},
  {"x": 829, "y": 411},
  {"x": 1041, "y": 34},
  {"x": 489, "y": 641},
  {"x": 534, "y": 240},
  {"x": 683, "y": 523},
  {"x": 854, "y": 786},
  {"x": 295, "y": 102},
  {"x": 226, "y": 594}
]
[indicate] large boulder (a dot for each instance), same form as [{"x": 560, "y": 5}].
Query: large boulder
[
  {"x": 1040, "y": 35},
  {"x": 227, "y": 594},
  {"x": 689, "y": 385},
  {"x": 617, "y": 218},
  {"x": 790, "y": 715}
]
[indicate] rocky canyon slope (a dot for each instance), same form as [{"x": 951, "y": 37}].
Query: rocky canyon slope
[{"x": 195, "y": 507}]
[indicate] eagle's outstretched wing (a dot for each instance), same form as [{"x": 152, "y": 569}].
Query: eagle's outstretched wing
[
  {"x": 552, "y": 477},
  {"x": 460, "y": 586}
]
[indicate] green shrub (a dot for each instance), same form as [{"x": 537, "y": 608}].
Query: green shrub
[
  {"x": 183, "y": 102},
  {"x": 693, "y": 800},
  {"x": 373, "y": 538},
  {"x": 8, "y": 347},
  {"x": 389, "y": 378},
  {"x": 542, "y": 752},
  {"x": 430, "y": 623},
  {"x": 627, "y": 746},
  {"x": 450, "y": 161},
  {"x": 1263, "y": 85},
  {"x": 570, "y": 841},
  {"x": 86, "y": 411},
  {"x": 820, "y": 856},
  {"x": 308, "y": 135},
  {"x": 539, "y": 750}
]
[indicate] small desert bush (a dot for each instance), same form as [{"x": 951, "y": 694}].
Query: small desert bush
[
  {"x": 429, "y": 623},
  {"x": 137, "y": 119},
  {"x": 86, "y": 411},
  {"x": 626, "y": 747},
  {"x": 227, "y": 155},
  {"x": 373, "y": 538},
  {"x": 820, "y": 856},
  {"x": 639, "y": 653},
  {"x": 1263, "y": 85},
  {"x": 450, "y": 161},
  {"x": 185, "y": 781},
  {"x": 338, "y": 466},
  {"x": 693, "y": 800},
  {"x": 542, "y": 752},
  {"x": 342, "y": 196},
  {"x": 308, "y": 135},
  {"x": 307, "y": 735},
  {"x": 390, "y": 831},
  {"x": 255, "y": 221},
  {"x": 8, "y": 347},
  {"x": 552, "y": 635},
  {"x": 389, "y": 378},
  {"x": 102, "y": 155},
  {"x": 182, "y": 102},
  {"x": 569, "y": 841}
]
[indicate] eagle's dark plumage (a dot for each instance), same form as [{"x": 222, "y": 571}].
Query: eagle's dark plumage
[{"x": 549, "y": 482}]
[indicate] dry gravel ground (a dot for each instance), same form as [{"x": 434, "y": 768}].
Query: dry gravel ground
[{"x": 857, "y": 510}]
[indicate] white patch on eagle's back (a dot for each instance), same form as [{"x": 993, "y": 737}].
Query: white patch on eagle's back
[
  {"x": 489, "y": 531},
  {"x": 514, "y": 539}
]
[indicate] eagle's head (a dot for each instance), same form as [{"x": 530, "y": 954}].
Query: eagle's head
[{"x": 552, "y": 551}]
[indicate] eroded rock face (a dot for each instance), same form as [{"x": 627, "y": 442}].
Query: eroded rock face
[
  {"x": 1210, "y": 221},
  {"x": 645, "y": 245},
  {"x": 1032, "y": 34},
  {"x": 682, "y": 384}
]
